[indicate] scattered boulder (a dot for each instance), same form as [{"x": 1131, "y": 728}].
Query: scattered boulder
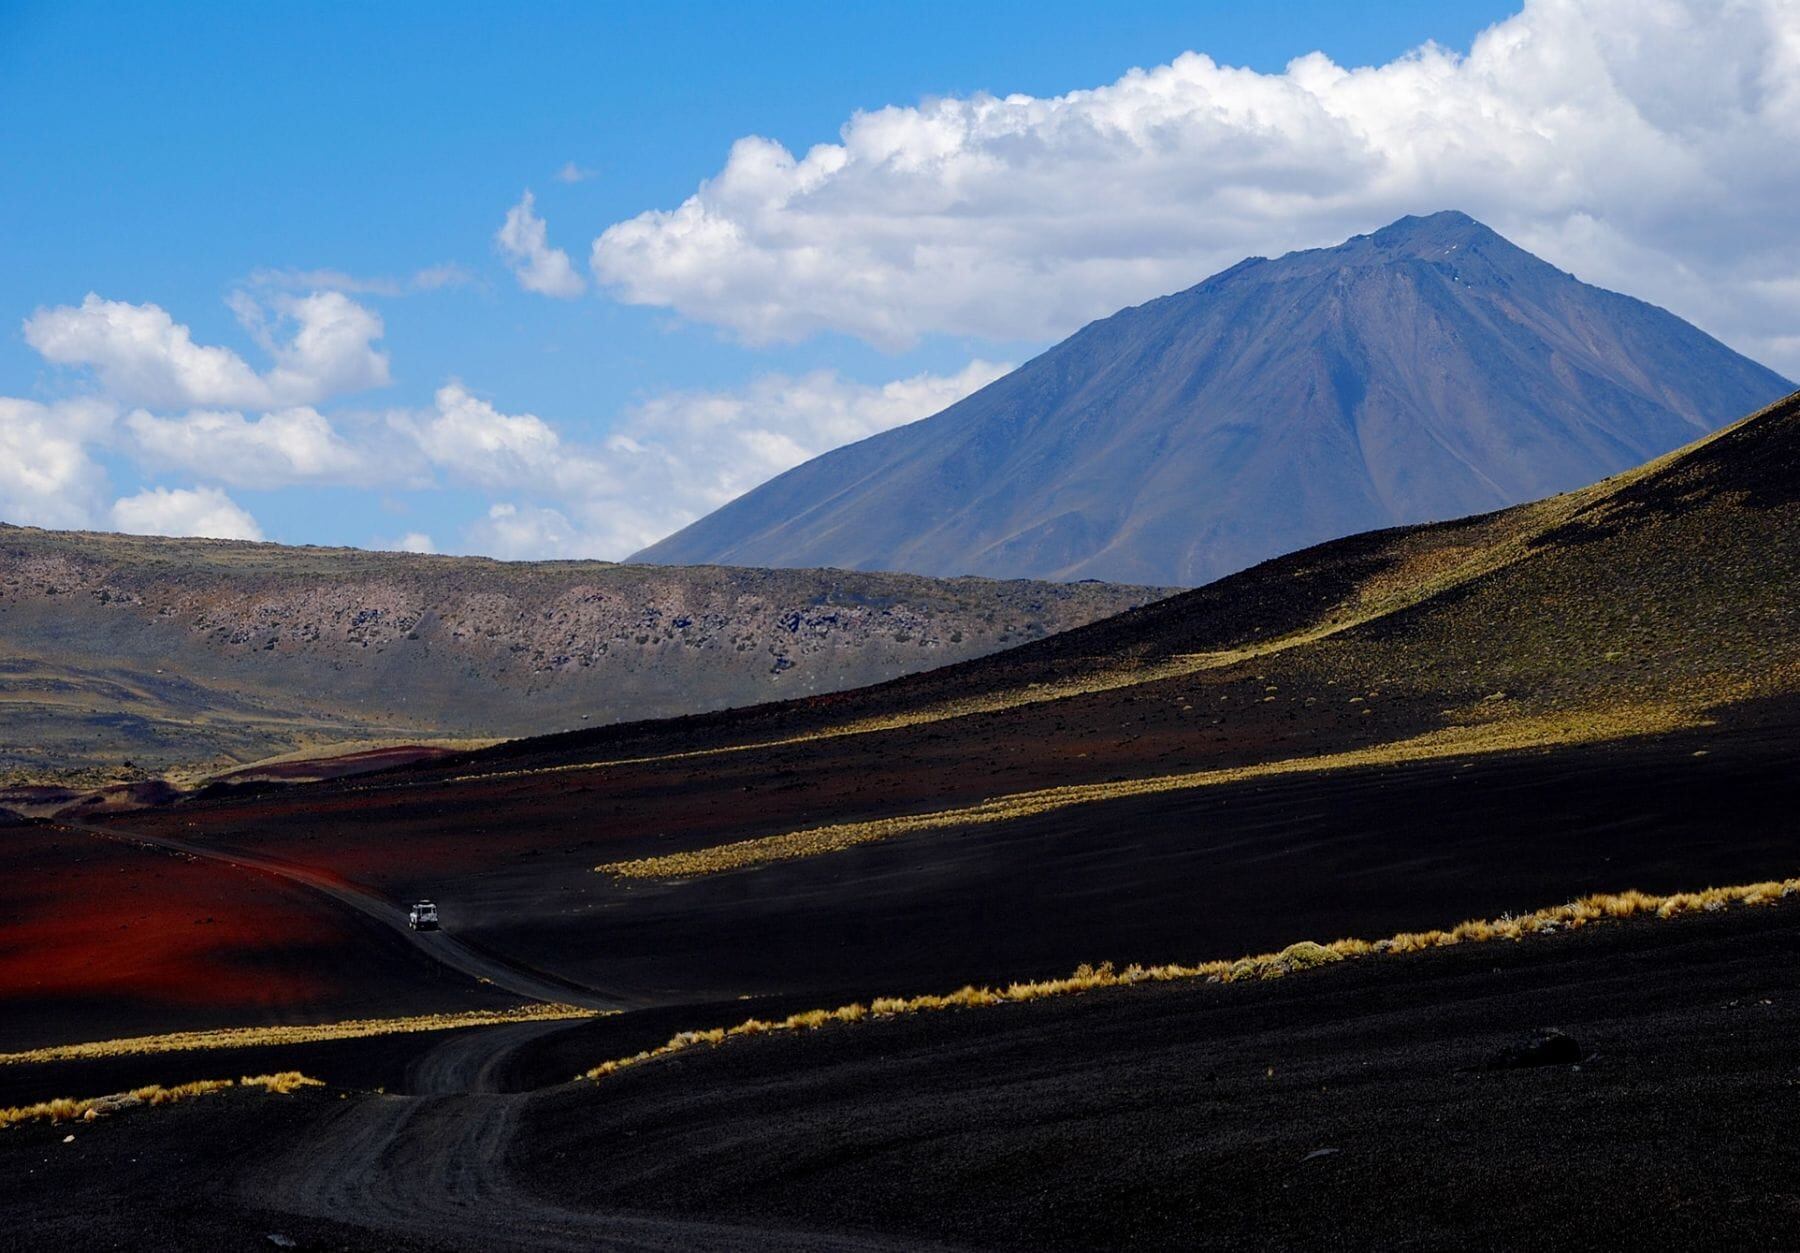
[
  {"x": 1545, "y": 1048},
  {"x": 108, "y": 1105}
]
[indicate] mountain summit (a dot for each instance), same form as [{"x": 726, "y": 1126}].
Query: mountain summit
[{"x": 1430, "y": 370}]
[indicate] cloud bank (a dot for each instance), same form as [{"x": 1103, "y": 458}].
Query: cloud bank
[
  {"x": 204, "y": 414},
  {"x": 1645, "y": 146}
]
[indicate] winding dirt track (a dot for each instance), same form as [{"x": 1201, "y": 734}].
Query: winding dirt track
[
  {"x": 431, "y": 1164},
  {"x": 440, "y": 946}
]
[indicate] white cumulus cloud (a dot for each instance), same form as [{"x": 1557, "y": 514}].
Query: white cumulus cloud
[
  {"x": 478, "y": 444},
  {"x": 143, "y": 356},
  {"x": 296, "y": 445},
  {"x": 668, "y": 461},
  {"x": 411, "y": 542},
  {"x": 201, "y": 511},
  {"x": 687, "y": 453},
  {"x": 523, "y": 240},
  {"x": 1646, "y": 146},
  {"x": 514, "y": 532},
  {"x": 47, "y": 477}
]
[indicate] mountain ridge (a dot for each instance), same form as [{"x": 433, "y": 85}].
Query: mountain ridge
[
  {"x": 1427, "y": 370},
  {"x": 189, "y": 652}
]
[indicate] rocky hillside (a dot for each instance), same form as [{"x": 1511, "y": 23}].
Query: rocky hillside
[{"x": 172, "y": 652}]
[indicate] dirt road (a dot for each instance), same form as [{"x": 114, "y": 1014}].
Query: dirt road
[
  {"x": 430, "y": 1165},
  {"x": 440, "y": 946}
]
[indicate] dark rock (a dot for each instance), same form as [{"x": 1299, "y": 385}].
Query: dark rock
[{"x": 1546, "y": 1048}]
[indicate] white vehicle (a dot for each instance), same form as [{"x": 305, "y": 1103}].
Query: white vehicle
[{"x": 423, "y": 917}]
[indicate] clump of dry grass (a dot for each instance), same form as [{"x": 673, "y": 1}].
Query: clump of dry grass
[
  {"x": 88, "y": 1109},
  {"x": 1305, "y": 955},
  {"x": 282, "y": 1082},
  {"x": 1508, "y": 735},
  {"x": 249, "y": 1037}
]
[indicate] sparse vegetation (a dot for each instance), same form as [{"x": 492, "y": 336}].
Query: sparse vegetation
[
  {"x": 1301, "y": 956},
  {"x": 251, "y": 1037},
  {"x": 291, "y": 648},
  {"x": 283, "y": 1082},
  {"x": 87, "y": 1109},
  {"x": 1454, "y": 741}
]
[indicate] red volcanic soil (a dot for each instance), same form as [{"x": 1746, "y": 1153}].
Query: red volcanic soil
[
  {"x": 100, "y": 939},
  {"x": 1182, "y": 876}
]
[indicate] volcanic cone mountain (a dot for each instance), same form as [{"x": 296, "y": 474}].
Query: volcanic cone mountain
[{"x": 1427, "y": 371}]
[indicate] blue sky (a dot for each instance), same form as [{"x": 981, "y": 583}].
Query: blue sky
[{"x": 180, "y": 156}]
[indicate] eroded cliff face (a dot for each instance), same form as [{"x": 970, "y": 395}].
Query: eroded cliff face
[{"x": 182, "y": 652}]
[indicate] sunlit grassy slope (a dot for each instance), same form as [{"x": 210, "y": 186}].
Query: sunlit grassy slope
[
  {"x": 259, "y": 1037},
  {"x": 1296, "y": 957},
  {"x": 1630, "y": 607}
]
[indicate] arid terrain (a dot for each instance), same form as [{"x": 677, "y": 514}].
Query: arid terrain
[
  {"x": 1369, "y": 742},
  {"x": 122, "y": 656}
]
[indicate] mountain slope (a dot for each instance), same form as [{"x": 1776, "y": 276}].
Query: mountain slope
[
  {"x": 175, "y": 652},
  {"x": 1430, "y": 370}
]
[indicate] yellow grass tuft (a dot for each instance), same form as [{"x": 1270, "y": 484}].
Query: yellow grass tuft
[
  {"x": 88, "y": 1109},
  {"x": 282, "y": 1083},
  {"x": 1305, "y": 955},
  {"x": 251, "y": 1037},
  {"x": 1453, "y": 741},
  {"x": 62, "y": 1109},
  {"x": 156, "y": 1094}
]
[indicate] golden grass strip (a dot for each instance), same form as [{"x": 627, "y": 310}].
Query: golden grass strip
[
  {"x": 252, "y": 1037},
  {"x": 1454, "y": 741},
  {"x": 87, "y": 1109},
  {"x": 1304, "y": 955}
]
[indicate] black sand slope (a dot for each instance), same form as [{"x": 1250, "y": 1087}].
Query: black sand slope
[
  {"x": 1355, "y": 1107},
  {"x": 1347, "y": 1108}
]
